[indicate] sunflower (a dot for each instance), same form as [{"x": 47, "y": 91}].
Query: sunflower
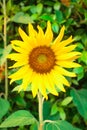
[{"x": 42, "y": 61}]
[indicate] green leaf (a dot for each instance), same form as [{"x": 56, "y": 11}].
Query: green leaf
[
  {"x": 84, "y": 39},
  {"x": 39, "y": 8},
  {"x": 66, "y": 101},
  {"x": 46, "y": 17},
  {"x": 36, "y": 9},
  {"x": 57, "y": 6},
  {"x": 76, "y": 118},
  {"x": 34, "y": 16},
  {"x": 33, "y": 9},
  {"x": 4, "y": 107},
  {"x": 62, "y": 113},
  {"x": 47, "y": 114},
  {"x": 54, "y": 109},
  {"x": 74, "y": 81},
  {"x": 80, "y": 101},
  {"x": 84, "y": 57},
  {"x": 6, "y": 51},
  {"x": 85, "y": 14},
  {"x": 19, "y": 118},
  {"x": 67, "y": 13},
  {"x": 25, "y": 8},
  {"x": 55, "y": 27},
  {"x": 80, "y": 46},
  {"x": 46, "y": 109},
  {"x": 48, "y": 9},
  {"x": 34, "y": 126},
  {"x": 20, "y": 101},
  {"x": 59, "y": 125},
  {"x": 9, "y": 5},
  {"x": 80, "y": 72},
  {"x": 49, "y": 3},
  {"x": 69, "y": 22},
  {"x": 21, "y": 17},
  {"x": 77, "y": 38},
  {"x": 59, "y": 16}
]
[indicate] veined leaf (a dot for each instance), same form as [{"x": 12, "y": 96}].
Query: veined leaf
[
  {"x": 66, "y": 101},
  {"x": 4, "y": 106},
  {"x": 21, "y": 17},
  {"x": 80, "y": 101},
  {"x": 59, "y": 125},
  {"x": 19, "y": 118}
]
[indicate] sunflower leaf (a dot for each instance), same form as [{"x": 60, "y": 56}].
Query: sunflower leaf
[
  {"x": 84, "y": 57},
  {"x": 80, "y": 101},
  {"x": 39, "y": 8},
  {"x": 21, "y": 17},
  {"x": 55, "y": 27},
  {"x": 59, "y": 16},
  {"x": 4, "y": 106},
  {"x": 19, "y": 118},
  {"x": 80, "y": 72},
  {"x": 59, "y": 125},
  {"x": 66, "y": 101},
  {"x": 46, "y": 17}
]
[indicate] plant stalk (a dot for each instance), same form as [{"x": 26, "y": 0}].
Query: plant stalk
[
  {"x": 40, "y": 99},
  {"x": 5, "y": 44}
]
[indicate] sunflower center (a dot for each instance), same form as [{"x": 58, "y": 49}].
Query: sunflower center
[{"x": 42, "y": 59}]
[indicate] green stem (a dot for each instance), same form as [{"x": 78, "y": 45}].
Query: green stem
[
  {"x": 5, "y": 44},
  {"x": 40, "y": 99}
]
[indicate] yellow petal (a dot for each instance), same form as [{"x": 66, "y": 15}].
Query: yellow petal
[
  {"x": 40, "y": 36},
  {"x": 67, "y": 55},
  {"x": 66, "y": 42},
  {"x": 17, "y": 42},
  {"x": 23, "y": 35},
  {"x": 34, "y": 85},
  {"x": 18, "y": 49},
  {"x": 68, "y": 64},
  {"x": 26, "y": 80},
  {"x": 41, "y": 86},
  {"x": 48, "y": 82},
  {"x": 31, "y": 31},
  {"x": 48, "y": 34},
  {"x": 60, "y": 78},
  {"x": 20, "y": 73},
  {"x": 60, "y": 36},
  {"x": 58, "y": 83},
  {"x": 60, "y": 86},
  {"x": 19, "y": 63},
  {"x": 65, "y": 49},
  {"x": 17, "y": 56},
  {"x": 23, "y": 45},
  {"x": 64, "y": 72},
  {"x": 40, "y": 31},
  {"x": 60, "y": 45}
]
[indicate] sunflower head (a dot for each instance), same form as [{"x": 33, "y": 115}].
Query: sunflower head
[{"x": 42, "y": 61}]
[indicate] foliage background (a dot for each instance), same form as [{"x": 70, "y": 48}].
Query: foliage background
[{"x": 70, "y": 106}]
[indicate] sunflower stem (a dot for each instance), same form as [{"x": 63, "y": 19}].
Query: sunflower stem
[
  {"x": 5, "y": 44},
  {"x": 40, "y": 107}
]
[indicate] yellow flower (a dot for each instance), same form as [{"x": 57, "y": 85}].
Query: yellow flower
[{"x": 42, "y": 61}]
